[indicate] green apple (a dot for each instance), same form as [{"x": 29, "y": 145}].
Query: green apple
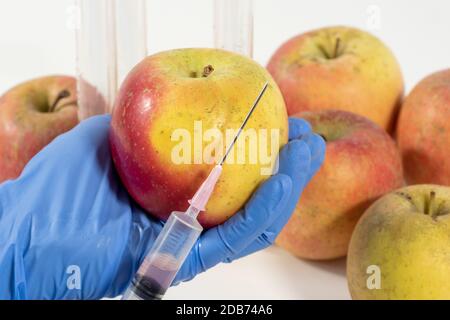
[{"x": 400, "y": 248}]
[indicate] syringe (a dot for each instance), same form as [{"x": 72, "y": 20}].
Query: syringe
[{"x": 181, "y": 231}]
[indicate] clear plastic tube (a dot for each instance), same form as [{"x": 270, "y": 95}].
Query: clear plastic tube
[
  {"x": 111, "y": 38},
  {"x": 96, "y": 57},
  {"x": 233, "y": 25},
  {"x": 131, "y": 31}
]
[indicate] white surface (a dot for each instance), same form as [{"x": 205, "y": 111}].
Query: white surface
[
  {"x": 37, "y": 38},
  {"x": 269, "y": 274}
]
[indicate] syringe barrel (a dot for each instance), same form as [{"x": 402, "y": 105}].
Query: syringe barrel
[{"x": 166, "y": 257}]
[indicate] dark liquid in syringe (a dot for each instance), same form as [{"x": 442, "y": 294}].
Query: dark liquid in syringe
[{"x": 155, "y": 286}]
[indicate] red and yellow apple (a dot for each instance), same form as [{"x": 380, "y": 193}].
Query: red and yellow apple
[
  {"x": 400, "y": 248},
  {"x": 361, "y": 164},
  {"x": 339, "y": 68},
  {"x": 423, "y": 131},
  {"x": 172, "y": 90},
  {"x": 32, "y": 114}
]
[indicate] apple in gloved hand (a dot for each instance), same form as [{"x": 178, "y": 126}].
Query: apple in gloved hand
[
  {"x": 401, "y": 246},
  {"x": 32, "y": 114},
  {"x": 361, "y": 164},
  {"x": 188, "y": 97},
  {"x": 339, "y": 68},
  {"x": 423, "y": 131}
]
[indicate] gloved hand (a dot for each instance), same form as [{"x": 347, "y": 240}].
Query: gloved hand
[{"x": 69, "y": 230}]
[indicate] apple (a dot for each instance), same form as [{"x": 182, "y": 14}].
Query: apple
[
  {"x": 423, "y": 131},
  {"x": 401, "y": 246},
  {"x": 339, "y": 68},
  {"x": 190, "y": 91},
  {"x": 32, "y": 114},
  {"x": 361, "y": 164}
]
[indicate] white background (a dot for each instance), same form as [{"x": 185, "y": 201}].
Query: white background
[{"x": 35, "y": 40}]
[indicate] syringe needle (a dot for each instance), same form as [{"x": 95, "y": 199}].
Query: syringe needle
[
  {"x": 201, "y": 197},
  {"x": 247, "y": 117}
]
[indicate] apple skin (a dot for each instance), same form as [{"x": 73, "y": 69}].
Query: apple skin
[
  {"x": 27, "y": 123},
  {"x": 423, "y": 131},
  {"x": 361, "y": 164},
  {"x": 166, "y": 92},
  {"x": 363, "y": 77},
  {"x": 411, "y": 248}
]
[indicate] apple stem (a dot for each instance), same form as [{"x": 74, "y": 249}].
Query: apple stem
[
  {"x": 323, "y": 137},
  {"x": 207, "y": 70},
  {"x": 63, "y": 94},
  {"x": 324, "y": 52},
  {"x": 337, "y": 47},
  {"x": 429, "y": 209}
]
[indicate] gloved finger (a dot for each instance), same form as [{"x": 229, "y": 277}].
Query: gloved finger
[
  {"x": 298, "y": 128},
  {"x": 295, "y": 162},
  {"x": 317, "y": 146},
  {"x": 297, "y": 165},
  {"x": 225, "y": 240}
]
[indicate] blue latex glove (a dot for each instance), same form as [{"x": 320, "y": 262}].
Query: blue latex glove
[{"x": 69, "y": 230}]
